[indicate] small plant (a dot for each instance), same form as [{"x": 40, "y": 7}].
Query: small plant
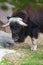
[
  {"x": 3, "y": 0},
  {"x": 4, "y": 7}
]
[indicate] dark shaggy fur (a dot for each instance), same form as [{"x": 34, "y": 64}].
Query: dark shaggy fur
[{"x": 33, "y": 18}]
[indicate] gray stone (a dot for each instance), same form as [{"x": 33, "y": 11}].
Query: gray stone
[{"x": 6, "y": 39}]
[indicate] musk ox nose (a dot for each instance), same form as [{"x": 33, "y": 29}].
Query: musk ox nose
[{"x": 15, "y": 39}]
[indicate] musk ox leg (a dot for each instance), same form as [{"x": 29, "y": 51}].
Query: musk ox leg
[
  {"x": 34, "y": 44},
  {"x": 34, "y": 37}
]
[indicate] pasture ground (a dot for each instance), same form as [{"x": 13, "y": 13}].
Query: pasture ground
[{"x": 26, "y": 57}]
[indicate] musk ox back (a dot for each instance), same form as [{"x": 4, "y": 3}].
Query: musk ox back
[{"x": 26, "y": 22}]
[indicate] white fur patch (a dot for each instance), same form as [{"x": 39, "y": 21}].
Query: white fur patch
[
  {"x": 15, "y": 19},
  {"x": 18, "y": 20},
  {"x": 34, "y": 44}
]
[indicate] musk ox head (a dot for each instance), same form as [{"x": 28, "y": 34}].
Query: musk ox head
[{"x": 18, "y": 27}]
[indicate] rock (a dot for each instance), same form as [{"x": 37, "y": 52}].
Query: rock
[
  {"x": 3, "y": 52},
  {"x": 1, "y": 28},
  {"x": 10, "y": 53},
  {"x": 6, "y": 39}
]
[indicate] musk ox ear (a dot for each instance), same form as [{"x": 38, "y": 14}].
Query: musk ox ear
[{"x": 8, "y": 17}]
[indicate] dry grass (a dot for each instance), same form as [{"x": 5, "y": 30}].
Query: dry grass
[{"x": 27, "y": 57}]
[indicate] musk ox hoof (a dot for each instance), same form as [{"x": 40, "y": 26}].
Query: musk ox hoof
[{"x": 34, "y": 48}]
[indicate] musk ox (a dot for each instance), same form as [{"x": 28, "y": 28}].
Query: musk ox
[{"x": 26, "y": 22}]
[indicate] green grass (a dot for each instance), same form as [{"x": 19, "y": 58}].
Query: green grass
[
  {"x": 4, "y": 7},
  {"x": 3, "y": 0},
  {"x": 29, "y": 57},
  {"x": 5, "y": 62}
]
